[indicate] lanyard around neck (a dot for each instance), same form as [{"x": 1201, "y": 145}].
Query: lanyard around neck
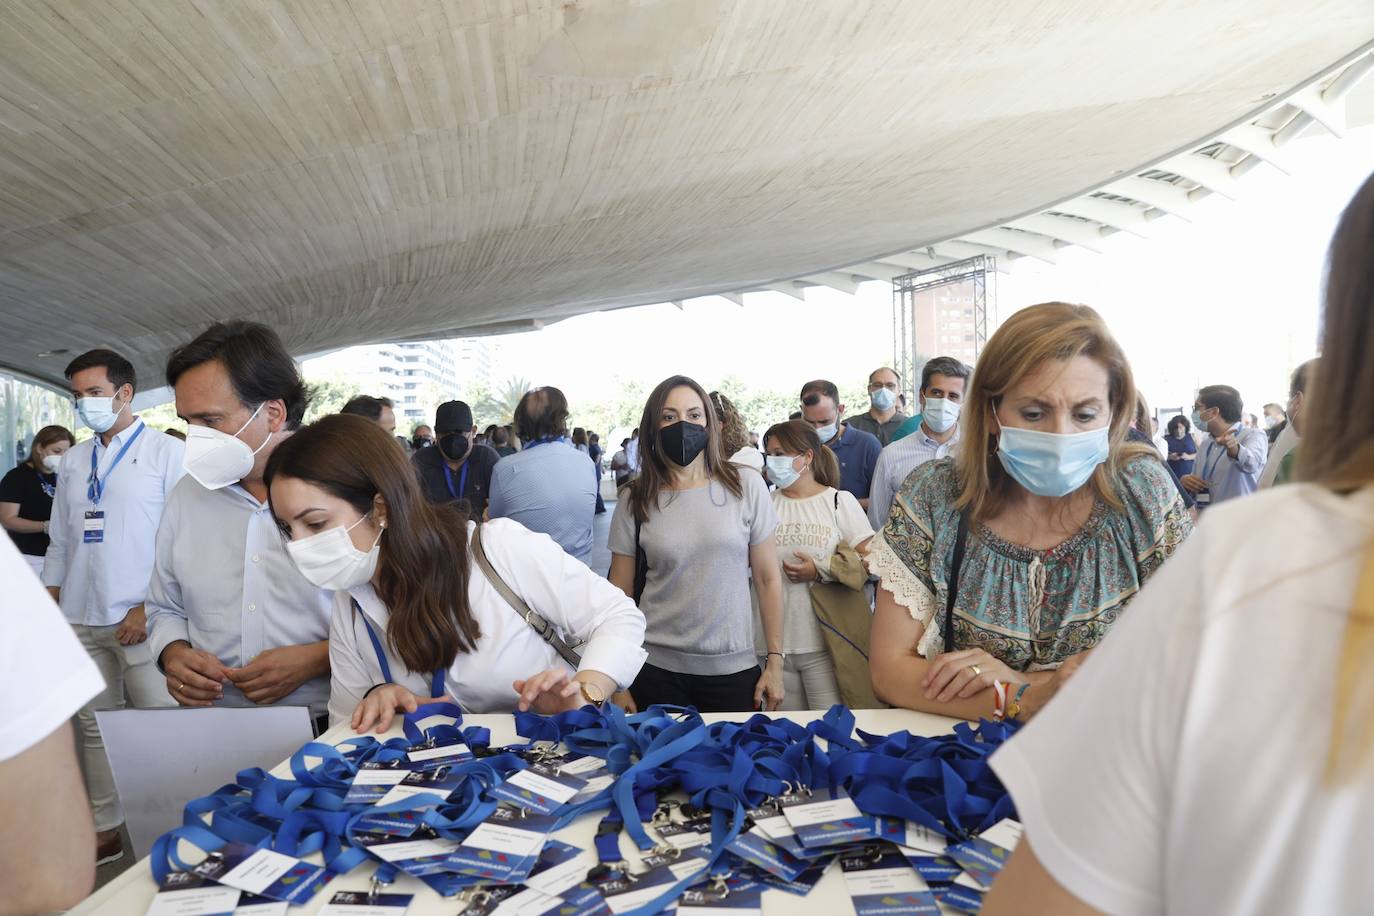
[
  {"x": 462, "y": 479},
  {"x": 436, "y": 684},
  {"x": 95, "y": 487}
]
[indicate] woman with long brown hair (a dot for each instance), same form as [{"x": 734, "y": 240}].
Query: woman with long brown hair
[
  {"x": 686, "y": 536},
  {"x": 814, "y": 517},
  {"x": 27, "y": 491},
  {"x": 1214, "y": 755},
  {"x": 415, "y": 616},
  {"x": 1001, "y": 564}
]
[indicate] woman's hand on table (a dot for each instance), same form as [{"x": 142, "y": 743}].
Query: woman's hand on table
[
  {"x": 966, "y": 673},
  {"x": 549, "y": 692},
  {"x": 380, "y": 706}
]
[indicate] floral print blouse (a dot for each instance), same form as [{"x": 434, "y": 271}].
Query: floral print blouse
[{"x": 1030, "y": 608}]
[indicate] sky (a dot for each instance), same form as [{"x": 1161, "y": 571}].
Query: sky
[{"x": 1230, "y": 296}]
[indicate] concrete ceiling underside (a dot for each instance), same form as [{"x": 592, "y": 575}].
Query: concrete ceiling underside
[{"x": 352, "y": 170}]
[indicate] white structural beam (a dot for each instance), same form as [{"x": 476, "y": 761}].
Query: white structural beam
[
  {"x": 1259, "y": 143},
  {"x": 1073, "y": 231},
  {"x": 1212, "y": 174},
  {"x": 1030, "y": 244},
  {"x": 844, "y": 282},
  {"x": 787, "y": 288},
  {"x": 1159, "y": 194},
  {"x": 1114, "y": 213}
]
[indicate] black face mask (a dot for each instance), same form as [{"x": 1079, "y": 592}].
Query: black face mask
[
  {"x": 682, "y": 442},
  {"x": 455, "y": 446}
]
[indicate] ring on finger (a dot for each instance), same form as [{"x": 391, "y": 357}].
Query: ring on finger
[{"x": 975, "y": 669}]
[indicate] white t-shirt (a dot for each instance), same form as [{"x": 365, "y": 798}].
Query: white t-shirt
[
  {"x": 1180, "y": 770},
  {"x": 585, "y": 608},
  {"x": 813, "y": 526},
  {"x": 748, "y": 457},
  {"x": 45, "y": 674}
]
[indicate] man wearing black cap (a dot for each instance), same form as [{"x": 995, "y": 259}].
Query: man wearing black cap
[{"x": 457, "y": 468}]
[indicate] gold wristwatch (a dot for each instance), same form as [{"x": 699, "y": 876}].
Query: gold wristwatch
[{"x": 592, "y": 693}]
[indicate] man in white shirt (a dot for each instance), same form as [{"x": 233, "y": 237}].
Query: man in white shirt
[
  {"x": 941, "y": 397},
  {"x": 233, "y": 621},
  {"x": 110, "y": 492},
  {"x": 46, "y": 860}
]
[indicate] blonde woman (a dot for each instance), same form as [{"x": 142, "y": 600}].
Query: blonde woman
[
  {"x": 1214, "y": 756},
  {"x": 1056, "y": 517}
]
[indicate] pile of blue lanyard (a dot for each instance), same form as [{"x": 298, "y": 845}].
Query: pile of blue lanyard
[{"x": 661, "y": 768}]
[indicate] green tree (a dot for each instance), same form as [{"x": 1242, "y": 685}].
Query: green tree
[
  {"x": 163, "y": 416},
  {"x": 328, "y": 396}
]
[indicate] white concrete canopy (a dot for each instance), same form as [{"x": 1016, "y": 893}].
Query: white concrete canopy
[{"x": 354, "y": 170}]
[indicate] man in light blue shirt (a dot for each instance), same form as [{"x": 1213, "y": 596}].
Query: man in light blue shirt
[
  {"x": 941, "y": 398},
  {"x": 548, "y": 485},
  {"x": 1230, "y": 463},
  {"x": 110, "y": 492},
  {"x": 233, "y": 621}
]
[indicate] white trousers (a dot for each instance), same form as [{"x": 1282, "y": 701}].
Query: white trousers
[{"x": 809, "y": 681}]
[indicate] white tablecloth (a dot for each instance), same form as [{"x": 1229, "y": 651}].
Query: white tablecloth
[{"x": 132, "y": 892}]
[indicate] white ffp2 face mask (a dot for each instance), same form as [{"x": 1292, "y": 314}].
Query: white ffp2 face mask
[
  {"x": 52, "y": 462},
  {"x": 217, "y": 459},
  {"x": 329, "y": 559}
]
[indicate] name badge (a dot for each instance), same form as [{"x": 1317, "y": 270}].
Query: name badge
[
  {"x": 93, "y": 528},
  {"x": 1203, "y": 498}
]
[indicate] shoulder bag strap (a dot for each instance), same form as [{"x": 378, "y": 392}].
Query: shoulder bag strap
[
  {"x": 953, "y": 591},
  {"x": 536, "y": 622}
]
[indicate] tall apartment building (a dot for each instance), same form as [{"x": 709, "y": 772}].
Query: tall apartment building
[
  {"x": 945, "y": 323},
  {"x": 416, "y": 376}
]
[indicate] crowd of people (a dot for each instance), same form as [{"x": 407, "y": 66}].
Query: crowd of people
[{"x": 968, "y": 559}]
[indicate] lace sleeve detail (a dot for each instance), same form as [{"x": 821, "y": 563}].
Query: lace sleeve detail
[{"x": 908, "y": 591}]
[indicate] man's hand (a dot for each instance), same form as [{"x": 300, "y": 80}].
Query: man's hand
[
  {"x": 134, "y": 628},
  {"x": 276, "y": 673},
  {"x": 1231, "y": 444},
  {"x": 801, "y": 569},
  {"x": 1193, "y": 483},
  {"x": 56, "y": 593},
  {"x": 194, "y": 678}
]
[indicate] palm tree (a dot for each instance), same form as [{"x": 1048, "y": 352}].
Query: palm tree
[{"x": 504, "y": 402}]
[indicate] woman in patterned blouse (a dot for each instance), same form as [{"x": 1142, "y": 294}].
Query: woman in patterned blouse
[{"x": 1065, "y": 520}]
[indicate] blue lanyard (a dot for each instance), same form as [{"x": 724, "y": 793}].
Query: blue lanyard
[
  {"x": 436, "y": 685},
  {"x": 49, "y": 489},
  {"x": 462, "y": 482},
  {"x": 1207, "y": 470},
  {"x": 95, "y": 487},
  {"x": 545, "y": 440}
]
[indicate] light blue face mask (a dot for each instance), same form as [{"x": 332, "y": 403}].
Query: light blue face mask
[
  {"x": 781, "y": 471},
  {"x": 828, "y": 432},
  {"x": 1198, "y": 422},
  {"x": 1052, "y": 464},
  {"x": 99, "y": 413},
  {"x": 939, "y": 414},
  {"x": 883, "y": 399}
]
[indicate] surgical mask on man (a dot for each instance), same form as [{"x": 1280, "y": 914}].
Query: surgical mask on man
[
  {"x": 939, "y": 414},
  {"x": 1052, "y": 464},
  {"x": 217, "y": 459},
  {"x": 828, "y": 431},
  {"x": 99, "y": 413},
  {"x": 782, "y": 470},
  {"x": 1198, "y": 421},
  {"x": 883, "y": 398},
  {"x": 330, "y": 560}
]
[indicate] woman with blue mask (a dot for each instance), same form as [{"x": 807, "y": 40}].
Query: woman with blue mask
[
  {"x": 1001, "y": 564},
  {"x": 814, "y": 518}
]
